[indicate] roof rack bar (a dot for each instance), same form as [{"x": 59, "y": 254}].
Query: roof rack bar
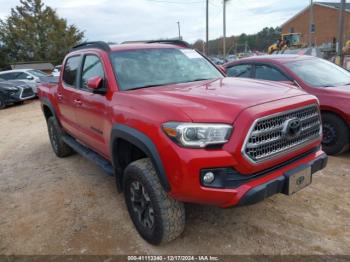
[
  {"x": 165, "y": 41},
  {"x": 97, "y": 44},
  {"x": 175, "y": 42}
]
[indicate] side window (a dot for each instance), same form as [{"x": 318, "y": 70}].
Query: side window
[
  {"x": 22, "y": 76},
  {"x": 71, "y": 70},
  {"x": 240, "y": 71},
  {"x": 92, "y": 67},
  {"x": 6, "y": 76},
  {"x": 10, "y": 76},
  {"x": 265, "y": 72}
]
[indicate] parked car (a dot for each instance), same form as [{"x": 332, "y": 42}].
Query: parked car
[
  {"x": 217, "y": 60},
  {"x": 57, "y": 71},
  {"x": 12, "y": 92},
  {"x": 231, "y": 58},
  {"x": 329, "y": 82},
  {"x": 173, "y": 130},
  {"x": 32, "y": 77}
]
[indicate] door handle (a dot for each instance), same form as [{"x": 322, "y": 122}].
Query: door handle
[
  {"x": 78, "y": 102},
  {"x": 59, "y": 97}
]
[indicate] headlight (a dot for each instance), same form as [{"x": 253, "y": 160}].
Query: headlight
[{"x": 197, "y": 135}]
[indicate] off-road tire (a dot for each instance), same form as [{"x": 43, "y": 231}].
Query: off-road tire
[
  {"x": 2, "y": 103},
  {"x": 56, "y": 134},
  {"x": 334, "y": 126},
  {"x": 169, "y": 214}
]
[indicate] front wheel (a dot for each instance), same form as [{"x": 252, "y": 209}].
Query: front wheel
[
  {"x": 157, "y": 217},
  {"x": 335, "y": 134}
]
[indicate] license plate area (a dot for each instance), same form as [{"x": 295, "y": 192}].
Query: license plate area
[{"x": 298, "y": 179}]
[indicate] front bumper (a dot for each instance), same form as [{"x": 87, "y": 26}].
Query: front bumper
[
  {"x": 279, "y": 184},
  {"x": 188, "y": 186}
]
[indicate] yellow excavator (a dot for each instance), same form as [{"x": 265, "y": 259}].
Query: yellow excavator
[
  {"x": 346, "y": 48},
  {"x": 291, "y": 40}
]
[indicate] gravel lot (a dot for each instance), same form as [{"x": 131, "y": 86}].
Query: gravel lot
[{"x": 69, "y": 206}]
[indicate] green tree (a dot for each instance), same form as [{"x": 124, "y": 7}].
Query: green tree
[
  {"x": 3, "y": 57},
  {"x": 34, "y": 32}
]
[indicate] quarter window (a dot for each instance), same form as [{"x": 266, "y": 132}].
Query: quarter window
[
  {"x": 240, "y": 71},
  {"x": 71, "y": 70}
]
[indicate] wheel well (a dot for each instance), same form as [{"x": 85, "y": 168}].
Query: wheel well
[
  {"x": 47, "y": 112},
  {"x": 125, "y": 153},
  {"x": 335, "y": 114}
]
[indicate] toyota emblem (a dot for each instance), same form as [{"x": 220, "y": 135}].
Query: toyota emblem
[{"x": 291, "y": 128}]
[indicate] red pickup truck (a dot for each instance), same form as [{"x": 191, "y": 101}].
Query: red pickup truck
[{"x": 173, "y": 129}]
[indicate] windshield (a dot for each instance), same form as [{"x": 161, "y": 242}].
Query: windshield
[
  {"x": 155, "y": 67},
  {"x": 320, "y": 73},
  {"x": 38, "y": 73}
]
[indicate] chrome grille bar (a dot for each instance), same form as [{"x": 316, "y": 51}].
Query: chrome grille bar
[{"x": 266, "y": 138}]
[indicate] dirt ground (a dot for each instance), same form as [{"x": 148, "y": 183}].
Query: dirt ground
[{"x": 58, "y": 206}]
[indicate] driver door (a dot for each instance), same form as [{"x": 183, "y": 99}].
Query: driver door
[{"x": 92, "y": 112}]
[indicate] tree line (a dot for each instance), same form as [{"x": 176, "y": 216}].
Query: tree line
[
  {"x": 34, "y": 32},
  {"x": 253, "y": 42}
]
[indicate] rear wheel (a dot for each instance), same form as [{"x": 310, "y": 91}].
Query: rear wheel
[
  {"x": 335, "y": 134},
  {"x": 157, "y": 217},
  {"x": 56, "y": 134}
]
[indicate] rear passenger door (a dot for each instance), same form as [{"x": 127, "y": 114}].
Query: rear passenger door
[{"x": 67, "y": 95}]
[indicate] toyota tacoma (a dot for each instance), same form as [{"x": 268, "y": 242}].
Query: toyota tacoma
[{"x": 172, "y": 129}]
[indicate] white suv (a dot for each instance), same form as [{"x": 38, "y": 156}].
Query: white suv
[{"x": 32, "y": 77}]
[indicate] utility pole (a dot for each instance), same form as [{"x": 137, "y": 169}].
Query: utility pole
[
  {"x": 341, "y": 30},
  {"x": 179, "y": 28},
  {"x": 224, "y": 24},
  {"x": 207, "y": 29},
  {"x": 311, "y": 22}
]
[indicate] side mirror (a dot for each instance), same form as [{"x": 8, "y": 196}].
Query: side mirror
[
  {"x": 30, "y": 78},
  {"x": 95, "y": 83}
]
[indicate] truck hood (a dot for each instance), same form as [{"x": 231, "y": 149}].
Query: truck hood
[{"x": 219, "y": 100}]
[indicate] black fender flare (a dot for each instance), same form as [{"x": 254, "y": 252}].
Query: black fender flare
[
  {"x": 47, "y": 102},
  {"x": 142, "y": 142}
]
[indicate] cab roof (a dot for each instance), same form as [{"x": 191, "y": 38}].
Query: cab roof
[{"x": 134, "y": 45}]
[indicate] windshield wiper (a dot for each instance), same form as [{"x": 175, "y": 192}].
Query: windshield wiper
[
  {"x": 199, "y": 79},
  {"x": 147, "y": 86},
  {"x": 142, "y": 87}
]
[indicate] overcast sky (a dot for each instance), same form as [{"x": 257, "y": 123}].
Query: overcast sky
[{"x": 123, "y": 20}]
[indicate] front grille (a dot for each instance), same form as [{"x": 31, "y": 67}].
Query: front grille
[
  {"x": 269, "y": 136},
  {"x": 27, "y": 92}
]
